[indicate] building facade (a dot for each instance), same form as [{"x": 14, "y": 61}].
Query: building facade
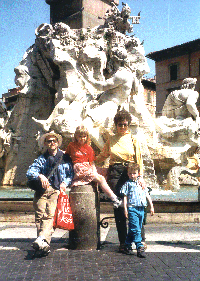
[
  {"x": 150, "y": 95},
  {"x": 10, "y": 98},
  {"x": 172, "y": 66}
]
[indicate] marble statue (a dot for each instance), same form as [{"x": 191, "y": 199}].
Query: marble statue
[
  {"x": 180, "y": 120},
  {"x": 181, "y": 104},
  {"x": 22, "y": 77},
  {"x": 4, "y": 134},
  {"x": 99, "y": 69},
  {"x": 68, "y": 77},
  {"x": 119, "y": 20},
  {"x": 178, "y": 130},
  {"x": 114, "y": 90},
  {"x": 84, "y": 76}
]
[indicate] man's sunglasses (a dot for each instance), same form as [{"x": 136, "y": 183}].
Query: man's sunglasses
[{"x": 50, "y": 141}]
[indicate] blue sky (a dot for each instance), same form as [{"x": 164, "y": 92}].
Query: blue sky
[{"x": 163, "y": 24}]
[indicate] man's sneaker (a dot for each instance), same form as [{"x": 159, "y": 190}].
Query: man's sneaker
[
  {"x": 37, "y": 243},
  {"x": 128, "y": 251},
  {"x": 44, "y": 246},
  {"x": 40, "y": 244},
  {"x": 141, "y": 252},
  {"x": 46, "y": 250},
  {"x": 41, "y": 253},
  {"x": 117, "y": 203}
]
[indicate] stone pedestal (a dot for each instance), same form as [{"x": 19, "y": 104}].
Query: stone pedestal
[
  {"x": 85, "y": 209},
  {"x": 79, "y": 13}
]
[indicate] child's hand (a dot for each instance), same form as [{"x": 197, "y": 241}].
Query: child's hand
[{"x": 152, "y": 210}]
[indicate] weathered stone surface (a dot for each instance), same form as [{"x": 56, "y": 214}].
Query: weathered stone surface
[
  {"x": 23, "y": 145},
  {"x": 84, "y": 206}
]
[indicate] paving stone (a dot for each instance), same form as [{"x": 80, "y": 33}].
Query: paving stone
[{"x": 16, "y": 261}]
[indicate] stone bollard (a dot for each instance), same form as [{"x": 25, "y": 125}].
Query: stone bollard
[
  {"x": 199, "y": 194},
  {"x": 84, "y": 201}
]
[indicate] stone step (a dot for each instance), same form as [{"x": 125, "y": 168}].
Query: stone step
[
  {"x": 24, "y": 217},
  {"x": 106, "y": 207},
  {"x": 165, "y": 212}
]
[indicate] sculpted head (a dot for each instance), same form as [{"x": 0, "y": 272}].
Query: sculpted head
[
  {"x": 22, "y": 75},
  {"x": 131, "y": 44},
  {"x": 61, "y": 28},
  {"x": 44, "y": 29},
  {"x": 126, "y": 11},
  {"x": 119, "y": 54},
  {"x": 189, "y": 83}
]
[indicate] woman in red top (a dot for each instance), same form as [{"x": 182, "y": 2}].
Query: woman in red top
[{"x": 83, "y": 156}]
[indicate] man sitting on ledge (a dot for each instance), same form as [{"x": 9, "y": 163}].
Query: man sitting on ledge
[{"x": 48, "y": 188}]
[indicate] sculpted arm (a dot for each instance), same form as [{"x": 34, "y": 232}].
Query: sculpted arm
[
  {"x": 113, "y": 82},
  {"x": 191, "y": 104}
]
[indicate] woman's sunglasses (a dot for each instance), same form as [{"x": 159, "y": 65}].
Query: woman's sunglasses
[{"x": 121, "y": 125}]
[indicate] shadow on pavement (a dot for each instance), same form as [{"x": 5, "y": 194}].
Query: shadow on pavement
[{"x": 193, "y": 245}]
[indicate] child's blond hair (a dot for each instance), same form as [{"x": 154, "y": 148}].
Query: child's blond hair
[{"x": 82, "y": 130}]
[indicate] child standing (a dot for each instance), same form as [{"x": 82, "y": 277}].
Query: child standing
[
  {"x": 83, "y": 156},
  {"x": 134, "y": 203}
]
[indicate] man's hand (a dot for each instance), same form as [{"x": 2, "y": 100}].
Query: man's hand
[{"x": 44, "y": 181}]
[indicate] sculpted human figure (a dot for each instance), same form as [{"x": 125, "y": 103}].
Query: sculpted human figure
[
  {"x": 181, "y": 104},
  {"x": 73, "y": 90},
  {"x": 43, "y": 34},
  {"x": 22, "y": 77},
  {"x": 119, "y": 20},
  {"x": 4, "y": 134},
  {"x": 116, "y": 89}
]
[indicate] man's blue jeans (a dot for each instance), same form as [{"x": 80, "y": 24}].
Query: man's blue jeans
[{"x": 135, "y": 218}]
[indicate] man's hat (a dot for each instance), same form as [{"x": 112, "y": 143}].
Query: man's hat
[{"x": 53, "y": 134}]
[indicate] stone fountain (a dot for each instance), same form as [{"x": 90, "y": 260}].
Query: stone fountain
[{"x": 72, "y": 76}]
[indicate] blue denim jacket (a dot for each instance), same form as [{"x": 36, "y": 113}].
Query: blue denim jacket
[{"x": 40, "y": 166}]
